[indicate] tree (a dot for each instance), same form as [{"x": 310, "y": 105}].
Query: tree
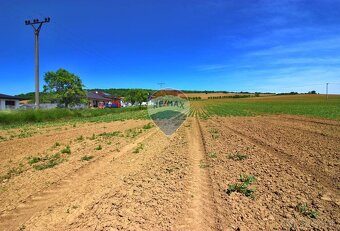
[
  {"x": 65, "y": 87},
  {"x": 137, "y": 95},
  {"x": 312, "y": 92}
]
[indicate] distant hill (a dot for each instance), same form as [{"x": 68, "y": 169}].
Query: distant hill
[{"x": 122, "y": 92}]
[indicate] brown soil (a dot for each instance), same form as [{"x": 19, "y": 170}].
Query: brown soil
[{"x": 143, "y": 180}]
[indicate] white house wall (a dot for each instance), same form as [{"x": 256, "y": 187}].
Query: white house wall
[{"x": 3, "y": 103}]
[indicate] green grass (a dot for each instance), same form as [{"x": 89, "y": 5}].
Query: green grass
[
  {"x": 306, "y": 211},
  {"x": 306, "y": 105},
  {"x": 242, "y": 186},
  {"x": 19, "y": 118}
]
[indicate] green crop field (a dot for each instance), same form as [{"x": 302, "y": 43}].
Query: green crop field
[{"x": 307, "y": 105}]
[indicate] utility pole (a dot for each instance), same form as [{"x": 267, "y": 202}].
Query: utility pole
[
  {"x": 36, "y": 30},
  {"x": 327, "y": 91},
  {"x": 161, "y": 85}
]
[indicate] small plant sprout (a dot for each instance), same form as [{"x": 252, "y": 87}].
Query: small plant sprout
[
  {"x": 139, "y": 147},
  {"x": 148, "y": 126},
  {"x": 238, "y": 156},
  {"x": 306, "y": 211},
  {"x": 66, "y": 150},
  {"x": 86, "y": 158},
  {"x": 93, "y": 137},
  {"x": 203, "y": 164},
  {"x": 212, "y": 155},
  {"x": 214, "y": 133},
  {"x": 242, "y": 186},
  {"x": 99, "y": 147},
  {"x": 57, "y": 144},
  {"x": 80, "y": 138}
]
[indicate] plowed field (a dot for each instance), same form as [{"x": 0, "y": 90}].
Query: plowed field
[{"x": 127, "y": 175}]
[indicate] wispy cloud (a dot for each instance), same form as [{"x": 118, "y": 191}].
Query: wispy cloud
[
  {"x": 308, "y": 46},
  {"x": 211, "y": 67}
]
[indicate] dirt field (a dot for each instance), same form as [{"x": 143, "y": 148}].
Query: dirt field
[{"x": 135, "y": 178}]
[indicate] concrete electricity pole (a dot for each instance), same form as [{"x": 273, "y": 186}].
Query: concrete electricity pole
[{"x": 36, "y": 33}]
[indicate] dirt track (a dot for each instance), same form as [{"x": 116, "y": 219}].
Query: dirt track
[{"x": 176, "y": 183}]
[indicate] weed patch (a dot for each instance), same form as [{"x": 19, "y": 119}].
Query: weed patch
[
  {"x": 99, "y": 147},
  {"x": 15, "y": 171},
  {"x": 133, "y": 132},
  {"x": 111, "y": 134},
  {"x": 41, "y": 163}
]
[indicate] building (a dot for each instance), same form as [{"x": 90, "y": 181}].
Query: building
[
  {"x": 103, "y": 100},
  {"x": 9, "y": 102}
]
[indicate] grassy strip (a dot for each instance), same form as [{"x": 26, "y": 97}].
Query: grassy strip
[{"x": 11, "y": 119}]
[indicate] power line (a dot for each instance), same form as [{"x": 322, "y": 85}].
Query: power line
[
  {"x": 36, "y": 30},
  {"x": 161, "y": 85}
]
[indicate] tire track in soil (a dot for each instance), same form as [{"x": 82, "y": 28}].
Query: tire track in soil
[
  {"x": 312, "y": 120},
  {"x": 314, "y": 173},
  {"x": 11, "y": 220},
  {"x": 275, "y": 121},
  {"x": 201, "y": 212}
]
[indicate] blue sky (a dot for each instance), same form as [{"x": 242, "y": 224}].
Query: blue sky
[{"x": 234, "y": 45}]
